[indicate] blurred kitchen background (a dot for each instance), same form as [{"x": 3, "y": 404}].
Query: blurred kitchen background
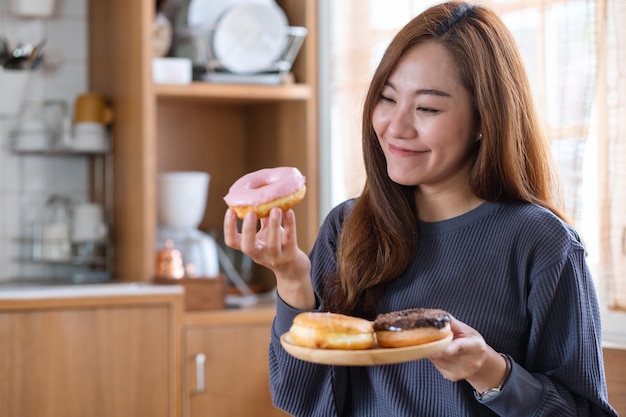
[
  {"x": 29, "y": 182},
  {"x": 562, "y": 59}
]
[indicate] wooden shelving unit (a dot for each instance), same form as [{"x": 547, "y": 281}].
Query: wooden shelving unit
[{"x": 226, "y": 130}]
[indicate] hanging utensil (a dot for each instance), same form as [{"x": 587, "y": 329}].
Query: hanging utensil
[
  {"x": 4, "y": 51},
  {"x": 36, "y": 55}
]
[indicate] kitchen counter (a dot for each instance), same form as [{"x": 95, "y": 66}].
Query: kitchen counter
[
  {"x": 42, "y": 295},
  {"x": 85, "y": 290},
  {"x": 54, "y": 294}
]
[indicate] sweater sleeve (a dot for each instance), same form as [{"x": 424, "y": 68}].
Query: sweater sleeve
[
  {"x": 301, "y": 388},
  {"x": 563, "y": 372}
]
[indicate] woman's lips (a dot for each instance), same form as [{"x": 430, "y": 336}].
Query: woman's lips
[{"x": 402, "y": 151}]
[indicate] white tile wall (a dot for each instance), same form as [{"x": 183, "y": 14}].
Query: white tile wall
[{"x": 26, "y": 181}]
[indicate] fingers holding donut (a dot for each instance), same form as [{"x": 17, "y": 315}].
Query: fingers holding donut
[
  {"x": 249, "y": 238},
  {"x": 246, "y": 240},
  {"x": 232, "y": 238},
  {"x": 285, "y": 221},
  {"x": 280, "y": 246},
  {"x": 273, "y": 245},
  {"x": 276, "y": 234},
  {"x": 253, "y": 239}
]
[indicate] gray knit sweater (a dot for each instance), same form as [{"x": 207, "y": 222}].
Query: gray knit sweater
[{"x": 516, "y": 274}]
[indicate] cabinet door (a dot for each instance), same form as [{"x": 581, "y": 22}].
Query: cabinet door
[
  {"x": 97, "y": 362},
  {"x": 232, "y": 362}
]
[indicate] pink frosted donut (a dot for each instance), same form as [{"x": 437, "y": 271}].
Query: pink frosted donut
[{"x": 264, "y": 189}]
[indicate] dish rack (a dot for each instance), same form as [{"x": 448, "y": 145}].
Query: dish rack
[{"x": 196, "y": 43}]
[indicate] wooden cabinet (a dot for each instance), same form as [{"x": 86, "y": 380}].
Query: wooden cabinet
[
  {"x": 93, "y": 356},
  {"x": 226, "y": 130},
  {"x": 615, "y": 368},
  {"x": 130, "y": 350},
  {"x": 225, "y": 360}
]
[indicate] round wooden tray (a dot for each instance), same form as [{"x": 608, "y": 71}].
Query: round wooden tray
[{"x": 373, "y": 356}]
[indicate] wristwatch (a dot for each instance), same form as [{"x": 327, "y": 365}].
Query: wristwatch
[{"x": 494, "y": 392}]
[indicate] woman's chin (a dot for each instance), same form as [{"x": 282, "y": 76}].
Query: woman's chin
[{"x": 402, "y": 179}]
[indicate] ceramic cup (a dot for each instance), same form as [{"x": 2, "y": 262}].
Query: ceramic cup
[
  {"x": 92, "y": 108},
  {"x": 32, "y": 136},
  {"x": 32, "y": 132},
  {"x": 89, "y": 136},
  {"x": 88, "y": 223},
  {"x": 56, "y": 242}
]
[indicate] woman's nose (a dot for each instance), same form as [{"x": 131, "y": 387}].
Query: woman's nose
[{"x": 402, "y": 124}]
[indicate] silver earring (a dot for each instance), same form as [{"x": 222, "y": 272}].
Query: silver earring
[{"x": 480, "y": 137}]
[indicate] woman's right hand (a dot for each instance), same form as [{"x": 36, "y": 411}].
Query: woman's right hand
[{"x": 275, "y": 246}]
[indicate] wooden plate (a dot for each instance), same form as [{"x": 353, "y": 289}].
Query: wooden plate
[{"x": 373, "y": 356}]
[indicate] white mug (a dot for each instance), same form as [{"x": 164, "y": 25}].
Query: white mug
[
  {"x": 89, "y": 136},
  {"x": 88, "y": 223},
  {"x": 56, "y": 242},
  {"x": 32, "y": 133}
]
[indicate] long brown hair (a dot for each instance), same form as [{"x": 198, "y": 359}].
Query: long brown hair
[{"x": 512, "y": 163}]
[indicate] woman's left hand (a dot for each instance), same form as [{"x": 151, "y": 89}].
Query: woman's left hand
[{"x": 470, "y": 358}]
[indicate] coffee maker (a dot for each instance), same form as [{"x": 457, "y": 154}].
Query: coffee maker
[{"x": 182, "y": 197}]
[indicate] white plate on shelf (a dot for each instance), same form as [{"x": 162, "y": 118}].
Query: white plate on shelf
[
  {"x": 249, "y": 38},
  {"x": 206, "y": 13}
]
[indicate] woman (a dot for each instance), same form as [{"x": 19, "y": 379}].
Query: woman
[{"x": 458, "y": 213}]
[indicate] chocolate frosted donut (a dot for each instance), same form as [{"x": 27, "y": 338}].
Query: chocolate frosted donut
[
  {"x": 411, "y": 327},
  {"x": 412, "y": 318}
]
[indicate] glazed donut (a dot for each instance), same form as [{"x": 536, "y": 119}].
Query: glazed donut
[
  {"x": 262, "y": 190},
  {"x": 411, "y": 327},
  {"x": 331, "y": 331}
]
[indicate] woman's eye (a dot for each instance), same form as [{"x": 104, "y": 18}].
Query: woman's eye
[
  {"x": 427, "y": 110},
  {"x": 386, "y": 99}
]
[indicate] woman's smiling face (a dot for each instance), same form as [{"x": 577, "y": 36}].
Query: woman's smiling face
[{"x": 424, "y": 120}]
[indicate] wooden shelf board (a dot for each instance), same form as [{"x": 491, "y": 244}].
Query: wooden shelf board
[{"x": 235, "y": 92}]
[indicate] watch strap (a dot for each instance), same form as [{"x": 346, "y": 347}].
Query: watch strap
[{"x": 493, "y": 392}]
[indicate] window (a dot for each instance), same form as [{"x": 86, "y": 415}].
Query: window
[{"x": 573, "y": 50}]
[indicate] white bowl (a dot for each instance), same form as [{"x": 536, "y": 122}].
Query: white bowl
[{"x": 171, "y": 70}]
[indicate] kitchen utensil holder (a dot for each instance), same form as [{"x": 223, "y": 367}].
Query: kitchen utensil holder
[{"x": 195, "y": 43}]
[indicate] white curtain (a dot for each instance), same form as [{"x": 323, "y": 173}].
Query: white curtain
[{"x": 614, "y": 209}]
